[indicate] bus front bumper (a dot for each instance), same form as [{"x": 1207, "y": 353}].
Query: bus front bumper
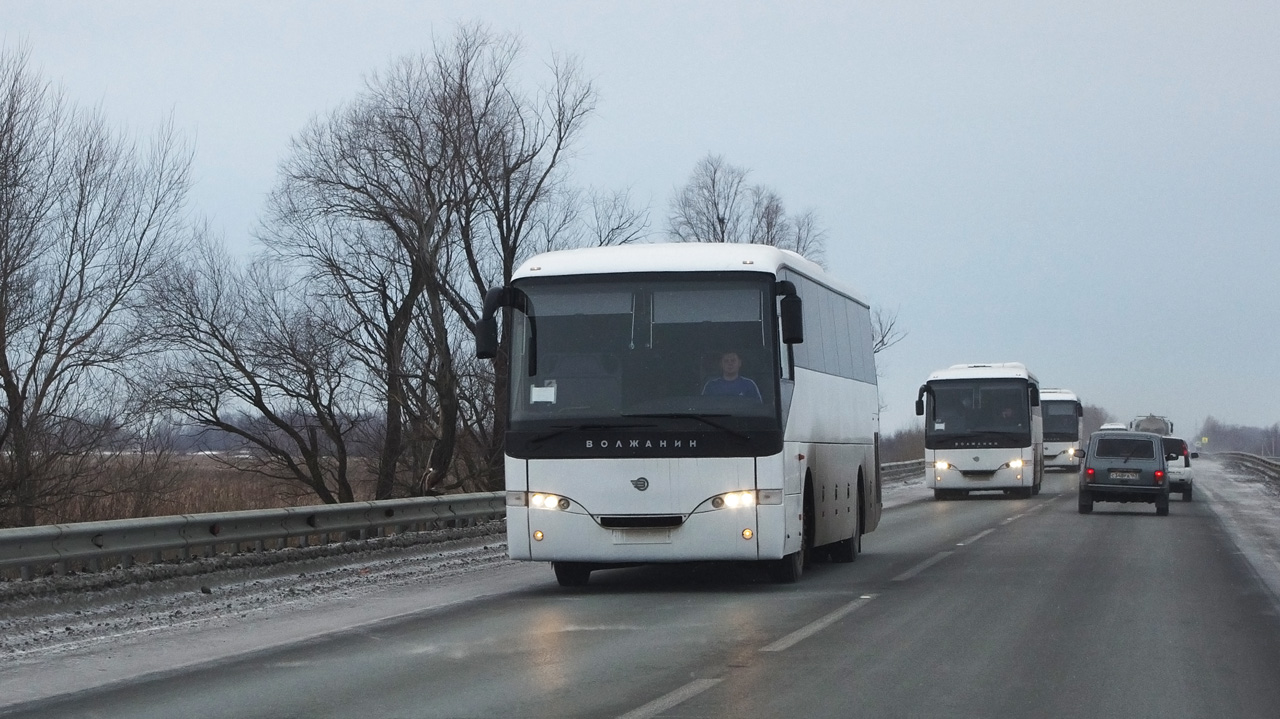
[{"x": 728, "y": 534}]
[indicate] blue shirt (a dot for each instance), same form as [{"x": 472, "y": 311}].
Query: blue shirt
[{"x": 739, "y": 387}]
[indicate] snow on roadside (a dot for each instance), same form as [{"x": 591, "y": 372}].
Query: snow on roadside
[
  {"x": 65, "y": 614},
  {"x": 1249, "y": 508}
]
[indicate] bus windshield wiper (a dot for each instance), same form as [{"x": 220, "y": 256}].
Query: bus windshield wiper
[
  {"x": 704, "y": 418},
  {"x": 563, "y": 428}
]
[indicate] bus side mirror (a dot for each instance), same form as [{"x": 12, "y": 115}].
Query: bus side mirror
[
  {"x": 792, "y": 321},
  {"x": 487, "y": 326},
  {"x": 1035, "y": 396},
  {"x": 487, "y": 338},
  {"x": 919, "y": 408},
  {"x": 1195, "y": 455}
]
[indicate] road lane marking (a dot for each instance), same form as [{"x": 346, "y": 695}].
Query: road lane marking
[
  {"x": 922, "y": 566},
  {"x": 666, "y": 701},
  {"x": 817, "y": 625},
  {"x": 976, "y": 537}
]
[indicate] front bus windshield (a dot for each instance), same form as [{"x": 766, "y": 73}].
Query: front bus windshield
[
  {"x": 1061, "y": 423},
  {"x": 645, "y": 350},
  {"x": 978, "y": 413}
]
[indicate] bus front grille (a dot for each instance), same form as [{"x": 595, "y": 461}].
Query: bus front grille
[{"x": 641, "y": 521}]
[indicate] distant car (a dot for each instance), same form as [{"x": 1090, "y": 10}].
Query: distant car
[
  {"x": 1124, "y": 466},
  {"x": 1181, "y": 476},
  {"x": 1113, "y": 426}
]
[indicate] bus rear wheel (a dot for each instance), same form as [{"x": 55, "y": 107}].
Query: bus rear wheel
[
  {"x": 572, "y": 574},
  {"x": 847, "y": 550}
]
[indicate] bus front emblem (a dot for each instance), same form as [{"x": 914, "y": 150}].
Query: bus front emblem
[
  {"x": 977, "y": 459},
  {"x": 640, "y": 483}
]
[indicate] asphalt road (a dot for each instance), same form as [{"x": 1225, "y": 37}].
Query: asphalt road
[{"x": 985, "y": 607}]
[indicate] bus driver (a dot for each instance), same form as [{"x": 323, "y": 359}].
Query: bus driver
[{"x": 730, "y": 383}]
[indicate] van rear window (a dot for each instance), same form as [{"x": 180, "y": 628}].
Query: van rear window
[{"x": 1126, "y": 448}]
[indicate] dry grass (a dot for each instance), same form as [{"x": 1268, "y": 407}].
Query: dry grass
[{"x": 191, "y": 484}]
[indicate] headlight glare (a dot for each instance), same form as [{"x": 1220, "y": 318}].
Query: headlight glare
[
  {"x": 548, "y": 501},
  {"x": 734, "y": 499}
]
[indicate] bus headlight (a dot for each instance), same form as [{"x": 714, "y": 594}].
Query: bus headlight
[
  {"x": 942, "y": 464},
  {"x": 1014, "y": 464},
  {"x": 546, "y": 501},
  {"x": 734, "y": 499}
]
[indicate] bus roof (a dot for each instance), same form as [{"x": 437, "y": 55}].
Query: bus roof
[
  {"x": 990, "y": 370},
  {"x": 676, "y": 257},
  {"x": 1058, "y": 394}
]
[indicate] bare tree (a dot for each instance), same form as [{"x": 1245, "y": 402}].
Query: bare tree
[
  {"x": 717, "y": 205},
  {"x": 712, "y": 206},
  {"x": 513, "y": 147},
  {"x": 366, "y": 205},
  {"x": 885, "y": 332},
  {"x": 249, "y": 352},
  {"x": 615, "y": 221},
  {"x": 86, "y": 217}
]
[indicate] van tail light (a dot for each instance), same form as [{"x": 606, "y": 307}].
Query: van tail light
[
  {"x": 1088, "y": 474},
  {"x": 1159, "y": 476}
]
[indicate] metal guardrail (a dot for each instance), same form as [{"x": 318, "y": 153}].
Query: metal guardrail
[
  {"x": 57, "y": 544},
  {"x": 897, "y": 471},
  {"x": 90, "y": 542},
  {"x": 1268, "y": 468}
]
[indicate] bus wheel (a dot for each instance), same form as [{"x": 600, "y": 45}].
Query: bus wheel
[
  {"x": 847, "y": 550},
  {"x": 571, "y": 574},
  {"x": 788, "y": 569}
]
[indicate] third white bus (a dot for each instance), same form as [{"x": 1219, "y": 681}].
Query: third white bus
[{"x": 1063, "y": 417}]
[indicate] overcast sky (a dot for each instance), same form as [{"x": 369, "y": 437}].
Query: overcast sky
[{"x": 1090, "y": 188}]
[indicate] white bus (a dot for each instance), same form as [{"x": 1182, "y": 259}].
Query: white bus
[
  {"x": 629, "y": 439},
  {"x": 982, "y": 430},
  {"x": 1063, "y": 417}
]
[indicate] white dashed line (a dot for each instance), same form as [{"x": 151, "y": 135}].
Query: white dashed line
[
  {"x": 665, "y": 702},
  {"x": 922, "y": 566},
  {"x": 976, "y": 537},
  {"x": 817, "y": 625}
]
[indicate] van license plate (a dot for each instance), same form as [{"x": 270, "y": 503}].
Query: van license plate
[{"x": 1124, "y": 476}]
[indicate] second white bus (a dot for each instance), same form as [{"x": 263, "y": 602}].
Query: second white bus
[{"x": 982, "y": 430}]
